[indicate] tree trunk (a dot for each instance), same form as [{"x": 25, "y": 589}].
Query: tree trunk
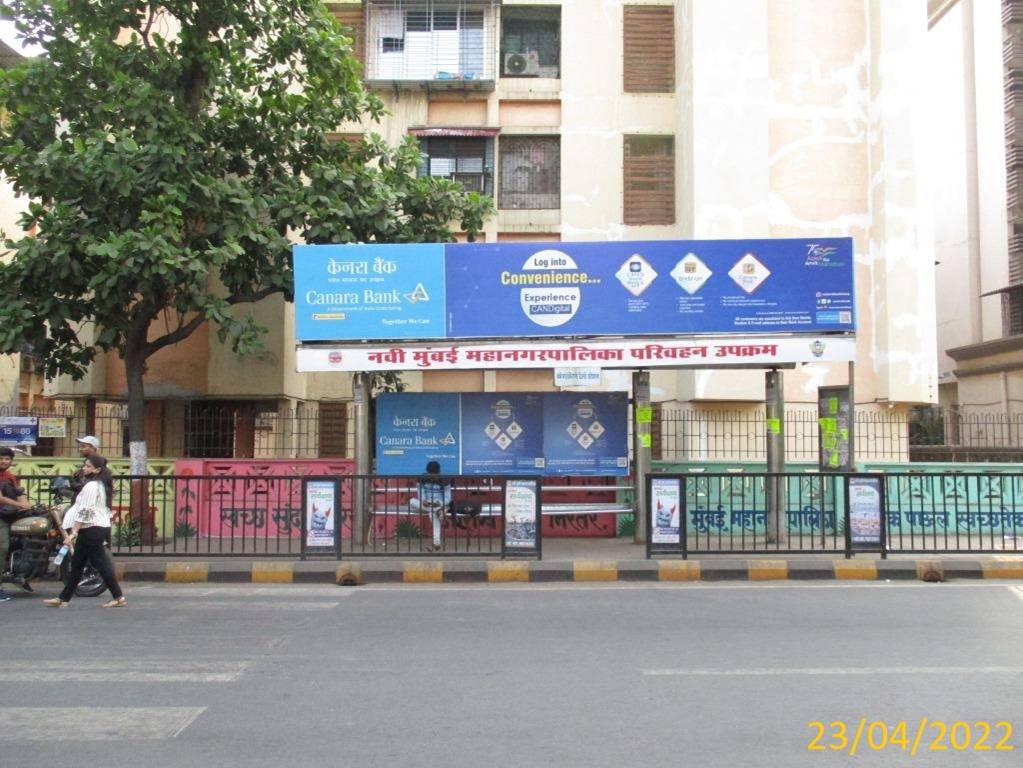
[
  {"x": 134, "y": 368},
  {"x": 141, "y": 511}
]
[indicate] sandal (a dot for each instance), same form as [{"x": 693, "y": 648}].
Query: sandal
[
  {"x": 118, "y": 603},
  {"x": 55, "y": 602}
]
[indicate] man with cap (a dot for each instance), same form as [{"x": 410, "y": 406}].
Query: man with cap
[{"x": 87, "y": 446}]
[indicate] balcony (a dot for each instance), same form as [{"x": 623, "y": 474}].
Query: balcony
[{"x": 432, "y": 44}]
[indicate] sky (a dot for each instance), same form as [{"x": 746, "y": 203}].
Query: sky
[{"x": 7, "y": 34}]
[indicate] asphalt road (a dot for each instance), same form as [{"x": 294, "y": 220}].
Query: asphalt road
[{"x": 559, "y": 675}]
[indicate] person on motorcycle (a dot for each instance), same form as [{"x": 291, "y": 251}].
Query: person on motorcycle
[
  {"x": 12, "y": 503},
  {"x": 92, "y": 519}
]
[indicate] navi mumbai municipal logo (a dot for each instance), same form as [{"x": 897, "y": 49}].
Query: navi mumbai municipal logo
[{"x": 817, "y": 348}]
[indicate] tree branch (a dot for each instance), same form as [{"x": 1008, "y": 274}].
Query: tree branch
[
  {"x": 239, "y": 298},
  {"x": 181, "y": 333}
]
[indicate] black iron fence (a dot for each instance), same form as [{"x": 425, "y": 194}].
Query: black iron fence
[
  {"x": 203, "y": 429},
  {"x": 761, "y": 513},
  {"x": 216, "y": 515}
]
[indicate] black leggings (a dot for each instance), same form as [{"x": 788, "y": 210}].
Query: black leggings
[{"x": 90, "y": 548}]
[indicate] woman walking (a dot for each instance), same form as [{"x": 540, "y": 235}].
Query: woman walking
[{"x": 90, "y": 515}]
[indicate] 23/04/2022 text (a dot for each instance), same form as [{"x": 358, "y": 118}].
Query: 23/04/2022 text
[{"x": 924, "y": 736}]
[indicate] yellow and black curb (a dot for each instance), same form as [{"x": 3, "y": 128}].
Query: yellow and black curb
[{"x": 424, "y": 571}]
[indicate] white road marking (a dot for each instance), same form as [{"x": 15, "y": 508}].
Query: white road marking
[
  {"x": 148, "y": 671},
  {"x": 814, "y": 671},
  {"x": 218, "y": 605},
  {"x": 95, "y": 723}
]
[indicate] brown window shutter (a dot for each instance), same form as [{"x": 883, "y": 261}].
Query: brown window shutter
[
  {"x": 649, "y": 44},
  {"x": 352, "y": 19},
  {"x": 333, "y": 431},
  {"x": 649, "y": 178}
]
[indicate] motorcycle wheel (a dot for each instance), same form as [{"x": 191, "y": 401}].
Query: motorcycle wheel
[{"x": 91, "y": 584}]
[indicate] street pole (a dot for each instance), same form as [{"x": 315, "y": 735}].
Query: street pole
[
  {"x": 641, "y": 441},
  {"x": 775, "y": 428},
  {"x": 363, "y": 455}
]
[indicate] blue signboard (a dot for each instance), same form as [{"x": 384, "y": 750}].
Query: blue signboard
[
  {"x": 414, "y": 429},
  {"x": 502, "y": 434},
  {"x": 555, "y": 433},
  {"x": 650, "y": 287},
  {"x": 630, "y": 288},
  {"x": 586, "y": 433},
  {"x": 19, "y": 430},
  {"x": 369, "y": 292}
]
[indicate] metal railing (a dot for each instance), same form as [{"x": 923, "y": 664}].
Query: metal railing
[
  {"x": 217, "y": 515},
  {"x": 204, "y": 429},
  {"x": 921, "y": 512}
]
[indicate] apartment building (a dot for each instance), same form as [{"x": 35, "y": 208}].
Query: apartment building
[
  {"x": 617, "y": 120},
  {"x": 976, "y": 65}
]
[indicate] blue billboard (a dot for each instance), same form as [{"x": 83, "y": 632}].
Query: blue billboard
[
  {"x": 586, "y": 433},
  {"x": 502, "y": 434},
  {"x": 628, "y": 288},
  {"x": 648, "y": 288},
  {"x": 414, "y": 429},
  {"x": 369, "y": 292}
]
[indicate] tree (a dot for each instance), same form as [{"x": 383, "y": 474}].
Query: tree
[{"x": 169, "y": 151}]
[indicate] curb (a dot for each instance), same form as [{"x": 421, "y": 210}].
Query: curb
[{"x": 580, "y": 571}]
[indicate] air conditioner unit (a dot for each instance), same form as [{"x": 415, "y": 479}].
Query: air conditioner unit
[{"x": 522, "y": 64}]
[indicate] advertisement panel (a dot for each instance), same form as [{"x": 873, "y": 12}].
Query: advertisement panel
[
  {"x": 414, "y": 429},
  {"x": 521, "y": 506},
  {"x": 665, "y": 501},
  {"x": 19, "y": 430},
  {"x": 320, "y": 514},
  {"x": 586, "y": 433},
  {"x": 502, "y": 434},
  {"x": 369, "y": 291},
  {"x": 865, "y": 496},
  {"x": 834, "y": 419},
  {"x": 650, "y": 287},
  {"x": 524, "y": 290}
]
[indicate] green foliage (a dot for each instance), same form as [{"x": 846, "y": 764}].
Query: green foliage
[
  {"x": 408, "y": 530},
  {"x": 184, "y": 531},
  {"x": 626, "y": 525},
  {"x": 169, "y": 151},
  {"x": 128, "y": 534}
]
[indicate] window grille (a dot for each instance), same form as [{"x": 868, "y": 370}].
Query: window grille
[
  {"x": 530, "y": 172},
  {"x": 467, "y": 160},
  {"x": 431, "y": 40},
  {"x": 531, "y": 41}
]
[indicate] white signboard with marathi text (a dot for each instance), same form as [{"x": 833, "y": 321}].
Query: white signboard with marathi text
[{"x": 632, "y": 353}]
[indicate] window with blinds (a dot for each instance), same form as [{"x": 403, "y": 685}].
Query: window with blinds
[
  {"x": 468, "y": 161},
  {"x": 530, "y": 172},
  {"x": 649, "y": 178},
  {"x": 649, "y": 48}
]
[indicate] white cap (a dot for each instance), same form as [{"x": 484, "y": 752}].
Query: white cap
[{"x": 88, "y": 440}]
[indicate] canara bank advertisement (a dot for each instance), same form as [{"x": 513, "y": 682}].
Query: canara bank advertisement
[
  {"x": 554, "y": 433},
  {"x": 630, "y": 288},
  {"x": 369, "y": 291}
]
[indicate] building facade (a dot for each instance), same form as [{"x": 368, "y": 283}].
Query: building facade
[
  {"x": 976, "y": 62},
  {"x": 619, "y": 120}
]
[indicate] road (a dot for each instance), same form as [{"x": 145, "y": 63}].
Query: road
[{"x": 525, "y": 675}]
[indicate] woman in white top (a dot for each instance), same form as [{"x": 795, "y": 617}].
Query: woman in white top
[{"x": 90, "y": 519}]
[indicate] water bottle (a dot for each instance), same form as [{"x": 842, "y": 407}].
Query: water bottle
[{"x": 60, "y": 555}]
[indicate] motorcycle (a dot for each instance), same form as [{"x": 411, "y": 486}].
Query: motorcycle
[{"x": 36, "y": 540}]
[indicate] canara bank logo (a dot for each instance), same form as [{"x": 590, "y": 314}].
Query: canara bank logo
[{"x": 550, "y": 294}]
